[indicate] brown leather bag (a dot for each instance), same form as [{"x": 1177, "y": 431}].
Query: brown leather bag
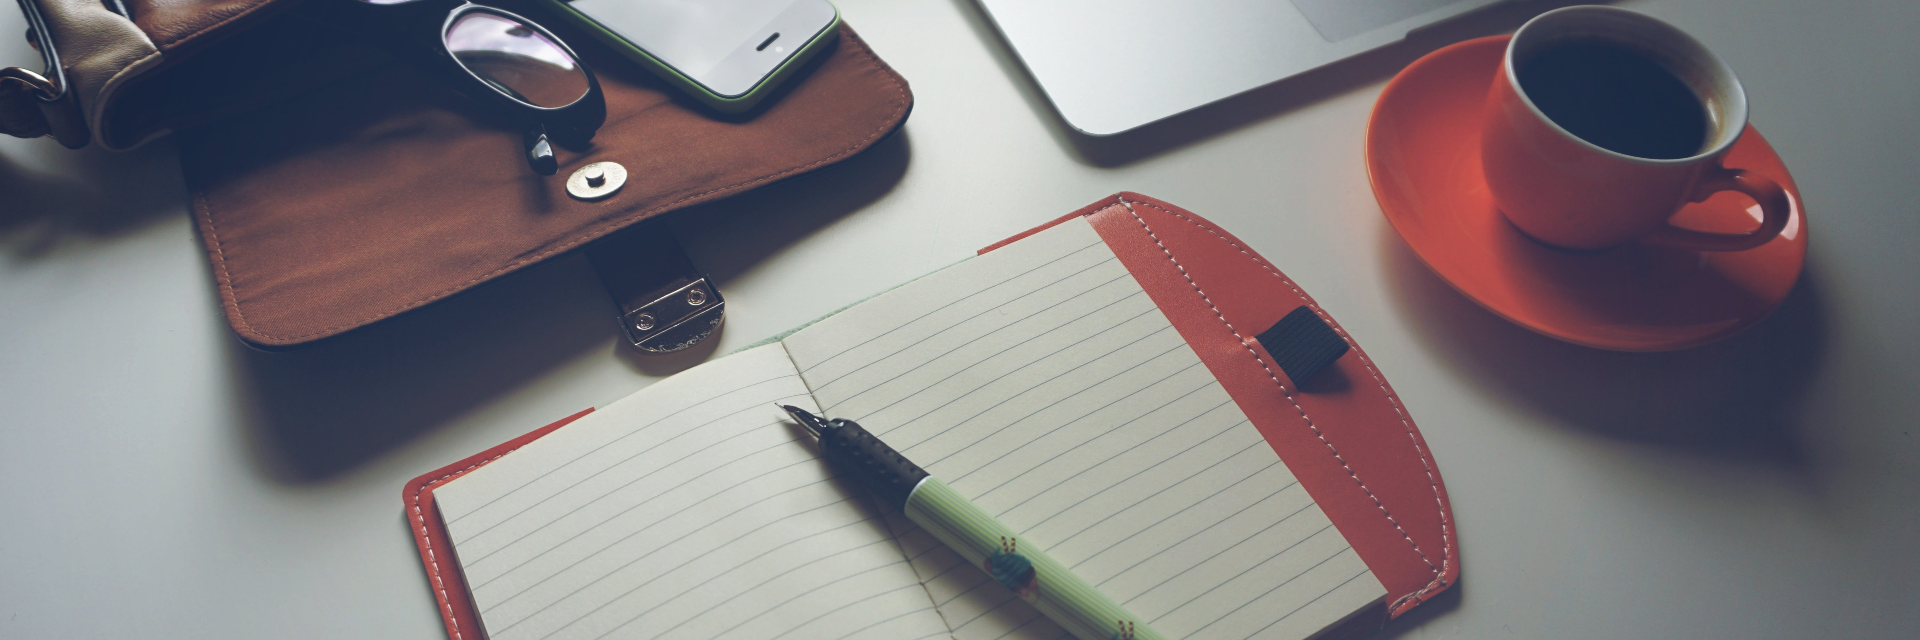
[{"x": 335, "y": 186}]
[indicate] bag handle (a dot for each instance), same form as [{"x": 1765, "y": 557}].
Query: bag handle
[{"x": 34, "y": 104}]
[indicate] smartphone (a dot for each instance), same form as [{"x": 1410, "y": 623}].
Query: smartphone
[{"x": 729, "y": 54}]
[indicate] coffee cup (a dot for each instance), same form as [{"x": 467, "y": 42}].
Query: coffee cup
[{"x": 1603, "y": 123}]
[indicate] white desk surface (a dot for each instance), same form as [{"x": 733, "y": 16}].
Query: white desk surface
[{"x": 158, "y": 479}]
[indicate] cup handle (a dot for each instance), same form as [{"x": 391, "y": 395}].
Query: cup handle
[{"x": 1774, "y": 206}]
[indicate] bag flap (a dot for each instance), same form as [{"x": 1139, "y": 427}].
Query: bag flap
[
  {"x": 382, "y": 191},
  {"x": 178, "y": 26}
]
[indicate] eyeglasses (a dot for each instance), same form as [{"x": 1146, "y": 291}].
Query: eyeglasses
[
  {"x": 520, "y": 69},
  {"x": 495, "y": 56}
]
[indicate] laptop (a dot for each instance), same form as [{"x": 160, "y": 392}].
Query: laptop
[{"x": 1113, "y": 65}]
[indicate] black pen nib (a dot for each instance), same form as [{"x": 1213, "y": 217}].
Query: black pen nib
[{"x": 814, "y": 424}]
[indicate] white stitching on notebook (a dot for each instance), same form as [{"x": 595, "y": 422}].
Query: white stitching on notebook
[
  {"x": 1446, "y": 551},
  {"x": 439, "y": 586},
  {"x": 1392, "y": 401}
]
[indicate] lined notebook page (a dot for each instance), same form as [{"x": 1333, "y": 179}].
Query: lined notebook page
[
  {"x": 1041, "y": 382},
  {"x": 690, "y": 509}
]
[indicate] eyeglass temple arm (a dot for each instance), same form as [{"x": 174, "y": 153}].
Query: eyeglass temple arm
[
  {"x": 540, "y": 151},
  {"x": 539, "y": 146}
]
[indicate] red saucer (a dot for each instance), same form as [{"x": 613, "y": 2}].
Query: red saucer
[{"x": 1423, "y": 158}]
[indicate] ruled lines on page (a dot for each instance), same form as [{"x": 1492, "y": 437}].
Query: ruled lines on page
[
  {"x": 690, "y": 509},
  {"x": 1042, "y": 383}
]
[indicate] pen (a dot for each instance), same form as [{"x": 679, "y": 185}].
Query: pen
[{"x": 1017, "y": 564}]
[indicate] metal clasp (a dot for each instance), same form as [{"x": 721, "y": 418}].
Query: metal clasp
[
  {"x": 48, "y": 86},
  {"x": 665, "y": 303},
  {"x": 677, "y": 320}
]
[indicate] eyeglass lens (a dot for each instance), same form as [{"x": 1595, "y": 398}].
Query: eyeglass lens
[{"x": 516, "y": 60}]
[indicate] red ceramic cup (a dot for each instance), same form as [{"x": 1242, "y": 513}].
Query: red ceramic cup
[{"x": 1567, "y": 192}]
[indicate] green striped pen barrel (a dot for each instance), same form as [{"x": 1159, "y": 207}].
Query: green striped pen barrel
[
  {"x": 1020, "y": 566},
  {"x": 1017, "y": 564}
]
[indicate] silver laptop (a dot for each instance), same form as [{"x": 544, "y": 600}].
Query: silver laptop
[{"x": 1113, "y": 65}]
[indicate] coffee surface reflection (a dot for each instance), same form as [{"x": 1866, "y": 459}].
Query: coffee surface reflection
[{"x": 1615, "y": 97}]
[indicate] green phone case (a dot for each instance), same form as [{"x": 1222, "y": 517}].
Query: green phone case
[{"x": 723, "y": 104}]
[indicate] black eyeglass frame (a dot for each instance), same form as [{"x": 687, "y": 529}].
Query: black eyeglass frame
[{"x": 572, "y": 124}]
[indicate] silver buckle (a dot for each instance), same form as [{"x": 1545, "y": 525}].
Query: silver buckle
[
  {"x": 665, "y": 304},
  {"x": 677, "y": 320},
  {"x": 45, "y": 89}
]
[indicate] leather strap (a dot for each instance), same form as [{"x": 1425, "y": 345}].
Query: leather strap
[
  {"x": 24, "y": 116},
  {"x": 99, "y": 50},
  {"x": 37, "y": 104},
  {"x": 1344, "y": 434},
  {"x": 20, "y": 114},
  {"x": 665, "y": 304}
]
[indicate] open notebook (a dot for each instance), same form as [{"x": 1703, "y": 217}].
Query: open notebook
[{"x": 1038, "y": 379}]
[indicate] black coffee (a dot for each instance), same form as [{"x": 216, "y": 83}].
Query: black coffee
[{"x": 1616, "y": 98}]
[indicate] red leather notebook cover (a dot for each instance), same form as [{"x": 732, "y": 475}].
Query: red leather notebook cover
[
  {"x": 430, "y": 534},
  {"x": 1348, "y": 439}
]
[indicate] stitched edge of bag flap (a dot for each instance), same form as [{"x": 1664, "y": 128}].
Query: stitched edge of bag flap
[{"x": 268, "y": 309}]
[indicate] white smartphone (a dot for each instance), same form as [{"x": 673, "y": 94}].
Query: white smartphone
[{"x": 727, "y": 53}]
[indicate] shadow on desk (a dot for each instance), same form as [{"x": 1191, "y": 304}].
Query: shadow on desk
[
  {"x": 1258, "y": 104},
  {"x": 1738, "y": 398},
  {"x": 319, "y": 412},
  {"x": 92, "y": 193}
]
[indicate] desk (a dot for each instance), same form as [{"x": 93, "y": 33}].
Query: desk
[{"x": 158, "y": 479}]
